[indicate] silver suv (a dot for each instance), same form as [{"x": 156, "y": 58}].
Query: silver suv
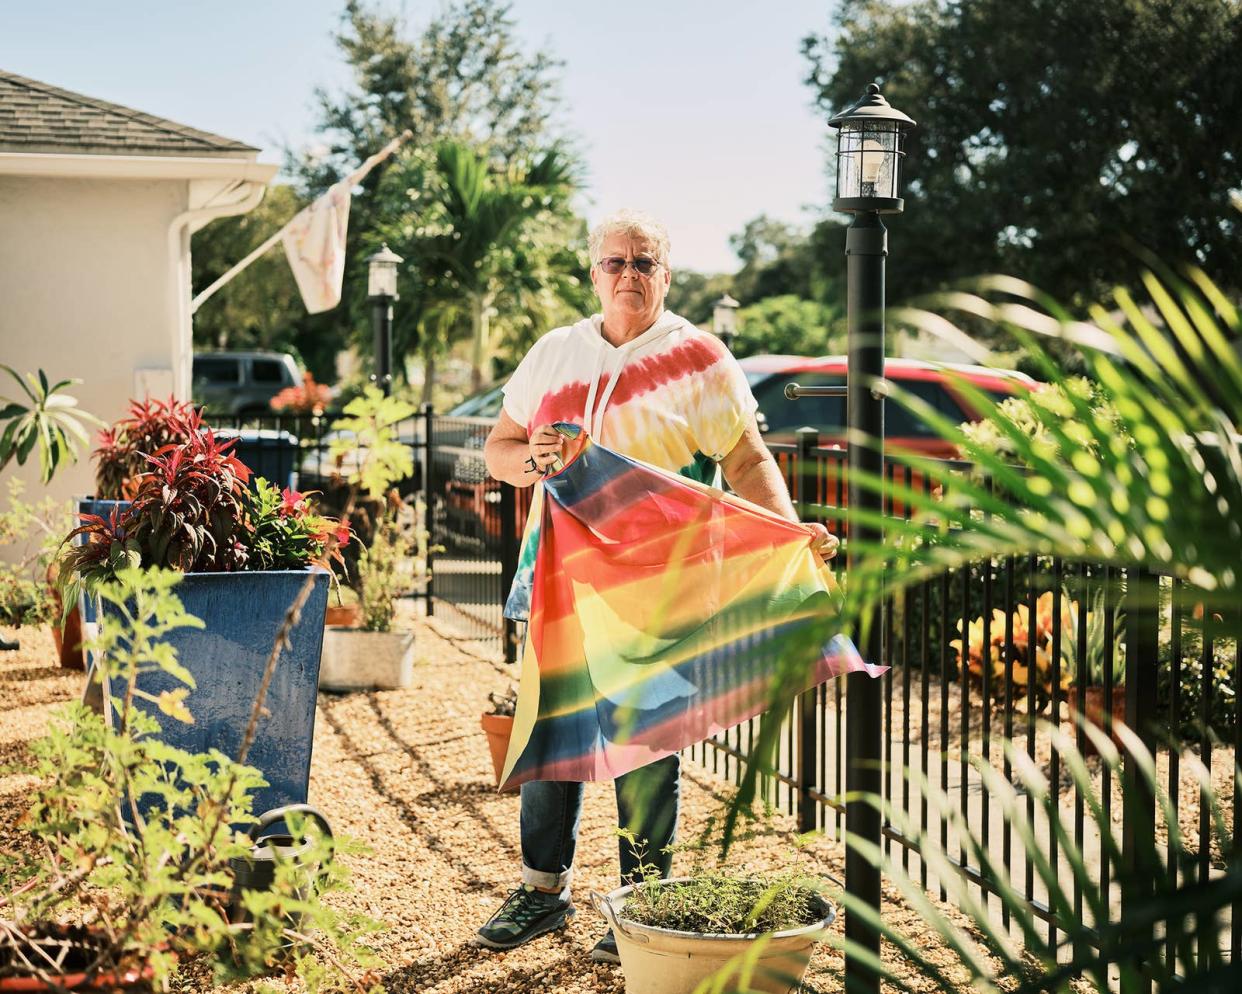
[{"x": 242, "y": 384}]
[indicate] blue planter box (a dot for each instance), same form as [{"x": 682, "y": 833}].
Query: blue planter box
[
  {"x": 242, "y": 613},
  {"x": 103, "y": 508}
]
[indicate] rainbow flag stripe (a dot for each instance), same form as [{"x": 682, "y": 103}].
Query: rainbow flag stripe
[{"x": 661, "y": 611}]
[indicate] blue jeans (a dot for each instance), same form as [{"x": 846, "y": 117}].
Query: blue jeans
[{"x": 647, "y": 804}]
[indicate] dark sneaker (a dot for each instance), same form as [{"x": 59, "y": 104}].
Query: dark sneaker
[
  {"x": 526, "y": 913},
  {"x": 605, "y": 950}
]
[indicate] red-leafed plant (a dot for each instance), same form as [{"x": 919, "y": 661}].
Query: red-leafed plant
[
  {"x": 309, "y": 398},
  {"x": 189, "y": 511},
  {"x": 123, "y": 449},
  {"x": 193, "y": 512}
]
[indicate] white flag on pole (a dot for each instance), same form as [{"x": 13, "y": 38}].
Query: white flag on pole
[
  {"x": 314, "y": 241},
  {"x": 315, "y": 247}
]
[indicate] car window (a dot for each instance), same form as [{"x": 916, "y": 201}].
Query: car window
[
  {"x": 481, "y": 405},
  {"x": 782, "y": 414},
  {"x": 218, "y": 370},
  {"x": 901, "y": 423},
  {"x": 266, "y": 371}
]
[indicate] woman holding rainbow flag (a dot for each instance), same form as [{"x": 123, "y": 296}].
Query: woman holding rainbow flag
[{"x": 641, "y": 582}]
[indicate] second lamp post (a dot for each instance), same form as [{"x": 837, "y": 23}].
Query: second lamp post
[
  {"x": 381, "y": 292},
  {"x": 869, "y": 153}
]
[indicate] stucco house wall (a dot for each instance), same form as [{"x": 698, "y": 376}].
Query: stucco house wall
[{"x": 97, "y": 206}]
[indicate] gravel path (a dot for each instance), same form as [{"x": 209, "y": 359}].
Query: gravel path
[{"x": 408, "y": 773}]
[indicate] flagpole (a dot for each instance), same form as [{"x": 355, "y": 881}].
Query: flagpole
[{"x": 353, "y": 179}]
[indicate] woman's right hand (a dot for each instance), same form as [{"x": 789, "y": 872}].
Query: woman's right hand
[{"x": 547, "y": 445}]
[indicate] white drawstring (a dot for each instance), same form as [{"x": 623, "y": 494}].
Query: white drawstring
[
  {"x": 593, "y": 419},
  {"x": 598, "y": 417},
  {"x": 587, "y": 413}
]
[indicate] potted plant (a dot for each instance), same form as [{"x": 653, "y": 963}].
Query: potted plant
[
  {"x": 344, "y": 609},
  {"x": 121, "y": 458},
  {"x": 377, "y": 655},
  {"x": 46, "y": 420},
  {"x": 310, "y": 398},
  {"x": 1099, "y": 656},
  {"x": 498, "y": 724},
  {"x": 110, "y": 893},
  {"x": 673, "y": 934},
  {"x": 246, "y": 552},
  {"x": 32, "y": 532},
  {"x": 42, "y": 419}
]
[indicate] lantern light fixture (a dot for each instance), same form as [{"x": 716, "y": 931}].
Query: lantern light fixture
[
  {"x": 870, "y": 138},
  {"x": 382, "y": 273}
]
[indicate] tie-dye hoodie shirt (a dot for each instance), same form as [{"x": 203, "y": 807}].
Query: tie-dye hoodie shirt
[{"x": 673, "y": 397}]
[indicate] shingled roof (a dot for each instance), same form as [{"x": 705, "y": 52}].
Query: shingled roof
[{"x": 37, "y": 117}]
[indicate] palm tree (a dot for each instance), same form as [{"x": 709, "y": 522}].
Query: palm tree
[{"x": 459, "y": 222}]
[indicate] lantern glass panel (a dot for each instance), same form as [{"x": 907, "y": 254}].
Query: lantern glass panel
[
  {"x": 382, "y": 279},
  {"x": 867, "y": 160}
]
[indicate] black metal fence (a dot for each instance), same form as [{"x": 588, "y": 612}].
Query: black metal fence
[{"x": 979, "y": 656}]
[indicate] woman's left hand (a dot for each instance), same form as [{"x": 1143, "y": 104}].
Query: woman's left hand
[{"x": 823, "y": 541}]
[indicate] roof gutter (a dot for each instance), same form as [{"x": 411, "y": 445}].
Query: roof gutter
[
  {"x": 134, "y": 166},
  {"x": 236, "y": 197}
]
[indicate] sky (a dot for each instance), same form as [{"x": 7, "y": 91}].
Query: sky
[{"x": 692, "y": 109}]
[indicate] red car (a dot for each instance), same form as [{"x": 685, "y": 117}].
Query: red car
[{"x": 779, "y": 417}]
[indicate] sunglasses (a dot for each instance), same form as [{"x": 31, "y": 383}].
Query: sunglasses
[{"x": 614, "y": 264}]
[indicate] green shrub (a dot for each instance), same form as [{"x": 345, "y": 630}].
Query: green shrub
[{"x": 718, "y": 903}]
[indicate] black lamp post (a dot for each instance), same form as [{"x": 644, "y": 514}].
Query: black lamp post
[
  {"x": 724, "y": 320},
  {"x": 382, "y": 291},
  {"x": 869, "y": 153}
]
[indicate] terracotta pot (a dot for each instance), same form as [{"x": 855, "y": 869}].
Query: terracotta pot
[
  {"x": 343, "y": 615},
  {"x": 69, "y": 640},
  {"x": 1096, "y": 710},
  {"x": 136, "y": 975},
  {"x": 498, "y": 727}
]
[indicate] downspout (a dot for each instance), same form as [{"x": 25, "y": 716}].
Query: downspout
[{"x": 237, "y": 197}]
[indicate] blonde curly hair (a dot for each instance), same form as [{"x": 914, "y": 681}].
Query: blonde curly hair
[{"x": 635, "y": 224}]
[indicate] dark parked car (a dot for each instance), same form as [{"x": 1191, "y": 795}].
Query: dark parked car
[{"x": 242, "y": 384}]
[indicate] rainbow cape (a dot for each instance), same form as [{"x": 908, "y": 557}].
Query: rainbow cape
[{"x": 660, "y": 611}]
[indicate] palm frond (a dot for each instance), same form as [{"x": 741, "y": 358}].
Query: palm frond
[{"x": 1161, "y": 487}]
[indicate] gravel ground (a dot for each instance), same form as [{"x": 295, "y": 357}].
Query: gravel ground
[{"x": 408, "y": 773}]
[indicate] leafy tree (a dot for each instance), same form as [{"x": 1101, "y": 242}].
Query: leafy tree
[
  {"x": 775, "y": 260},
  {"x": 693, "y": 295},
  {"x": 464, "y": 77},
  {"x": 546, "y": 284},
  {"x": 1053, "y": 137},
  {"x": 789, "y": 325},
  {"x": 480, "y": 245}
]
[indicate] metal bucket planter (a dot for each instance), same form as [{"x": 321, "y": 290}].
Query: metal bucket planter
[
  {"x": 354, "y": 659},
  {"x": 241, "y": 614},
  {"x": 664, "y": 961}
]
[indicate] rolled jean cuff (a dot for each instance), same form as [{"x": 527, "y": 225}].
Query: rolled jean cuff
[{"x": 541, "y": 878}]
